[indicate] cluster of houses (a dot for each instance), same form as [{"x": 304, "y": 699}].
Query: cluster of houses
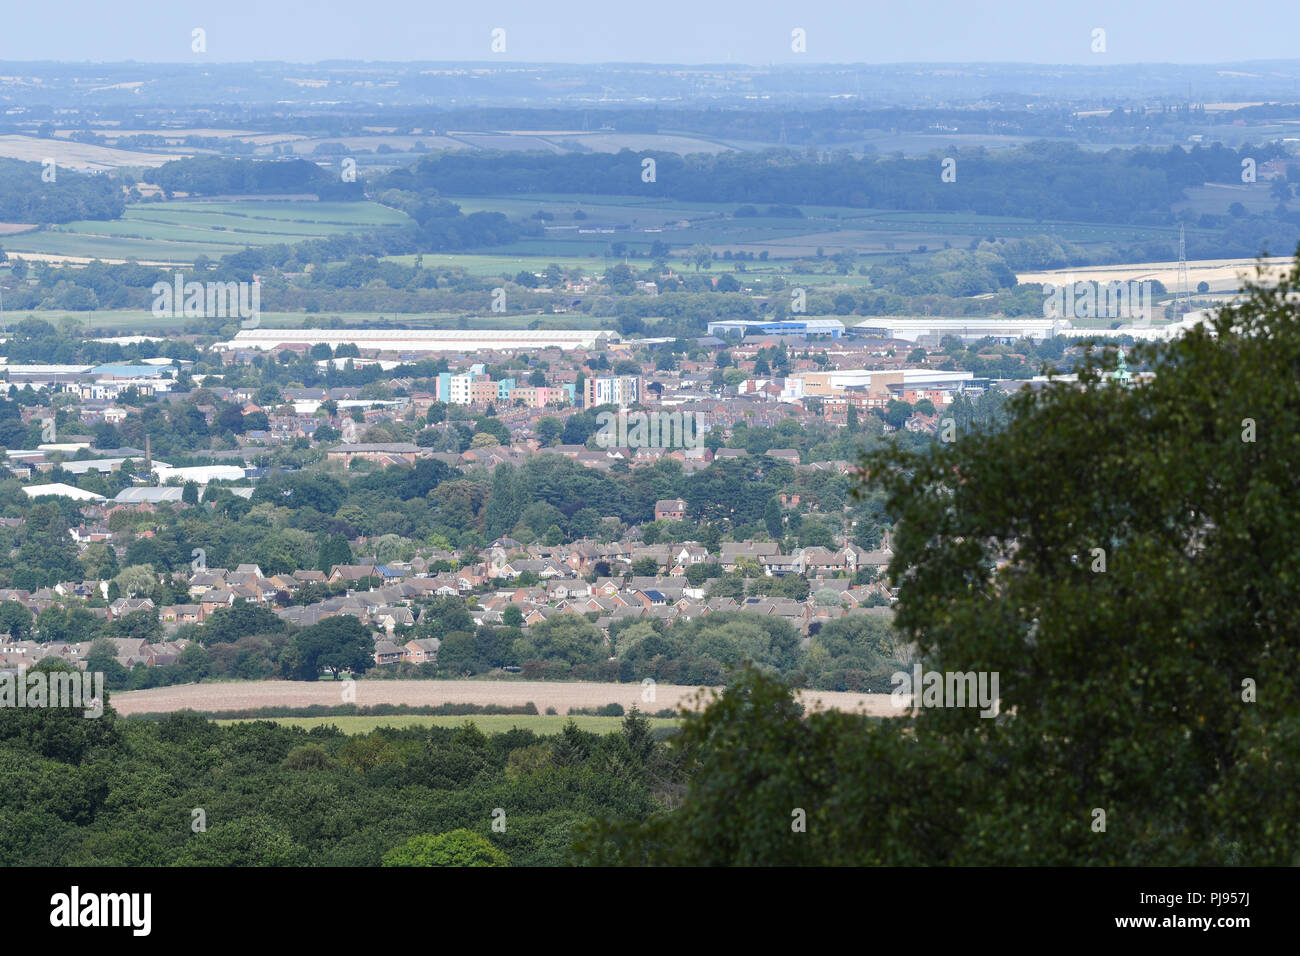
[
  {"x": 540, "y": 580},
  {"x": 18, "y": 655},
  {"x": 563, "y": 579}
]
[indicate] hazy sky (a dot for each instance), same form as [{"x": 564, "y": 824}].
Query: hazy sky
[{"x": 660, "y": 31}]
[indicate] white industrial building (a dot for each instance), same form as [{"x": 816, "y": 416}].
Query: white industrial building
[
  {"x": 145, "y": 494},
  {"x": 739, "y": 328},
  {"x": 421, "y": 340},
  {"x": 199, "y": 474},
  {"x": 929, "y": 330},
  {"x": 822, "y": 384},
  {"x": 59, "y": 489},
  {"x": 1147, "y": 333},
  {"x": 103, "y": 466}
]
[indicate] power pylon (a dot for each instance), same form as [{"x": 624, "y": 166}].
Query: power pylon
[{"x": 1184, "y": 286}]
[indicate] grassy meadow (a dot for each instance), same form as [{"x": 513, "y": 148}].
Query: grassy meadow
[{"x": 181, "y": 230}]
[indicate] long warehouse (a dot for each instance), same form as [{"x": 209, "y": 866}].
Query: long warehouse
[{"x": 408, "y": 341}]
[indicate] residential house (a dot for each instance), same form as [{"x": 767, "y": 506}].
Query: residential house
[
  {"x": 423, "y": 650},
  {"x": 670, "y": 509}
]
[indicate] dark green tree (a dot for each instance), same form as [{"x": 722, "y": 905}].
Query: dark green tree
[
  {"x": 457, "y": 848},
  {"x": 335, "y": 644},
  {"x": 334, "y": 550},
  {"x": 15, "y": 620}
]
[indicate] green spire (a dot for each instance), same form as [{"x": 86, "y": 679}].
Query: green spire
[{"x": 1121, "y": 375}]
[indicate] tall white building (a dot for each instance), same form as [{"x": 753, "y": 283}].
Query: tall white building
[
  {"x": 458, "y": 389},
  {"x": 620, "y": 390}
]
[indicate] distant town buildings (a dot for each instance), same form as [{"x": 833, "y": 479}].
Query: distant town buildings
[
  {"x": 476, "y": 388},
  {"x": 382, "y": 453}
]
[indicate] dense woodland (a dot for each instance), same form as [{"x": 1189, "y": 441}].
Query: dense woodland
[
  {"x": 215, "y": 176},
  {"x": 28, "y": 198},
  {"x": 127, "y": 792}
]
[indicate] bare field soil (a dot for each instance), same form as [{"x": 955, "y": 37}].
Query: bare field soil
[
  {"x": 177, "y": 136},
  {"x": 243, "y": 695}
]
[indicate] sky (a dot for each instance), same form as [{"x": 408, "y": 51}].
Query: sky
[{"x": 757, "y": 32}]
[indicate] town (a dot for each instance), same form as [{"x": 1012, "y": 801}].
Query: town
[
  {"x": 430, "y": 398},
  {"x": 645, "y": 438}
]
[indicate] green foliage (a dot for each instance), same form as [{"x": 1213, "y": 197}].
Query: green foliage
[
  {"x": 336, "y": 644},
  {"x": 857, "y": 653},
  {"x": 457, "y": 848},
  {"x": 645, "y": 567},
  {"x": 15, "y": 620},
  {"x": 241, "y": 619},
  {"x": 334, "y": 550},
  {"x": 48, "y": 554},
  {"x": 212, "y": 175},
  {"x": 25, "y": 198},
  {"x": 751, "y": 767},
  {"x": 569, "y": 638},
  {"x": 137, "y": 580},
  {"x": 705, "y": 650},
  {"x": 697, "y": 574},
  {"x": 114, "y": 792}
]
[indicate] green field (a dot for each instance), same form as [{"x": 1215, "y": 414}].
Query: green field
[
  {"x": 180, "y": 230},
  {"x": 496, "y": 265},
  {"x": 488, "y": 723},
  {"x": 354, "y": 214},
  {"x": 1215, "y": 198}
]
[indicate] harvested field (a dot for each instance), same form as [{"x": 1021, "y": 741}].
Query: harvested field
[
  {"x": 85, "y": 260},
  {"x": 242, "y": 695},
  {"x": 1219, "y": 274},
  {"x": 81, "y": 156}
]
